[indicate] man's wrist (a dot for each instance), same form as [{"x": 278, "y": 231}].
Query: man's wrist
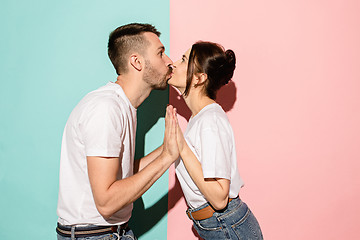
[{"x": 166, "y": 158}]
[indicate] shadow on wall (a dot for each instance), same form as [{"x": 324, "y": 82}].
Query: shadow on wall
[
  {"x": 143, "y": 220},
  {"x": 148, "y": 114},
  {"x": 150, "y": 111},
  {"x": 226, "y": 98}
]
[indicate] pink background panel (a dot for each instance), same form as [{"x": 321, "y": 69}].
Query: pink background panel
[{"x": 294, "y": 107}]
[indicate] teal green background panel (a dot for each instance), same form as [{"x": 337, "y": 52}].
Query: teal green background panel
[{"x": 51, "y": 54}]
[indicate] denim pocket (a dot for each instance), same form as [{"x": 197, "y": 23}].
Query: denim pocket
[
  {"x": 209, "y": 224},
  {"x": 129, "y": 235},
  {"x": 209, "y": 229},
  {"x": 109, "y": 236},
  {"x": 247, "y": 227}
]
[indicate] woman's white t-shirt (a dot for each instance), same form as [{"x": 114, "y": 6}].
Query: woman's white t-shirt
[{"x": 211, "y": 138}]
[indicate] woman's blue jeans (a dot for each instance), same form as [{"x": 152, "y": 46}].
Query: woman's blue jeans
[{"x": 236, "y": 222}]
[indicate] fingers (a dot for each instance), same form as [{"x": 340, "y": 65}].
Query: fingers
[
  {"x": 169, "y": 113},
  {"x": 175, "y": 115},
  {"x": 166, "y": 117},
  {"x": 178, "y": 129},
  {"x": 170, "y": 143},
  {"x": 171, "y": 120},
  {"x": 176, "y": 120}
]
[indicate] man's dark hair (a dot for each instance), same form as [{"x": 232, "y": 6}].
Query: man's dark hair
[{"x": 124, "y": 40}]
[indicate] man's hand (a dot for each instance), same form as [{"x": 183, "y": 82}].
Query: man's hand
[{"x": 170, "y": 147}]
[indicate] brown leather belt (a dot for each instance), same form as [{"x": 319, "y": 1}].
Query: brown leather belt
[
  {"x": 65, "y": 231},
  {"x": 203, "y": 213}
]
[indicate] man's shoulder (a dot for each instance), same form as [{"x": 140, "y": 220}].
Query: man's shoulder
[
  {"x": 104, "y": 97},
  {"x": 97, "y": 103}
]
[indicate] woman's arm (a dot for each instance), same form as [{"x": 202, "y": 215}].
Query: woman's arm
[{"x": 215, "y": 190}]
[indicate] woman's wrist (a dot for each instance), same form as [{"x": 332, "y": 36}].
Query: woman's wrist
[{"x": 185, "y": 151}]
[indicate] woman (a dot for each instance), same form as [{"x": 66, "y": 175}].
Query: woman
[{"x": 208, "y": 171}]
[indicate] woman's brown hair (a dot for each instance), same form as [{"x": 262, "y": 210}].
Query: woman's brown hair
[{"x": 210, "y": 58}]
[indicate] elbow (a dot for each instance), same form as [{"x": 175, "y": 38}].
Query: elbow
[
  {"x": 220, "y": 205},
  {"x": 103, "y": 207},
  {"x": 104, "y": 211}
]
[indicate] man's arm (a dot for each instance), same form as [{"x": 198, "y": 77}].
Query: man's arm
[
  {"x": 110, "y": 194},
  {"x": 144, "y": 161}
]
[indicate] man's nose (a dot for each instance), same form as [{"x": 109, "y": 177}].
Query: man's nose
[{"x": 168, "y": 61}]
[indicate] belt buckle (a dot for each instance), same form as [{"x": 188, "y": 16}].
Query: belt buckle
[
  {"x": 114, "y": 229},
  {"x": 188, "y": 213}
]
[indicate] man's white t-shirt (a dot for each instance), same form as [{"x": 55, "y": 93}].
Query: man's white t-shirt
[
  {"x": 211, "y": 138},
  {"x": 102, "y": 124}
]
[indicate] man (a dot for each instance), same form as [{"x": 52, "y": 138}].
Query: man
[{"x": 98, "y": 178}]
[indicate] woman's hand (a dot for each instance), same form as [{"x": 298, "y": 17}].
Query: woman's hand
[{"x": 179, "y": 134}]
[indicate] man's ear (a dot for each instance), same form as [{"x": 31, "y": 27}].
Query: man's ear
[{"x": 136, "y": 62}]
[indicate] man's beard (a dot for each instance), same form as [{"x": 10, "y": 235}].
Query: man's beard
[{"x": 154, "y": 78}]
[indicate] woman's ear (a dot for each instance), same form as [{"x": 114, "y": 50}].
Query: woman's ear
[
  {"x": 136, "y": 62},
  {"x": 200, "y": 79}
]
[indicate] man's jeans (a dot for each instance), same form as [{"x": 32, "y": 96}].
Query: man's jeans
[
  {"x": 122, "y": 235},
  {"x": 236, "y": 222}
]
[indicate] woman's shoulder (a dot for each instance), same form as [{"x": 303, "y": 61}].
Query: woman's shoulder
[
  {"x": 213, "y": 116},
  {"x": 213, "y": 111}
]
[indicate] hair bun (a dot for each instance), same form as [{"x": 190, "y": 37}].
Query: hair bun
[
  {"x": 230, "y": 65},
  {"x": 230, "y": 58}
]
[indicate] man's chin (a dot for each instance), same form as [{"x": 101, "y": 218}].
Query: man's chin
[
  {"x": 164, "y": 84},
  {"x": 161, "y": 87}
]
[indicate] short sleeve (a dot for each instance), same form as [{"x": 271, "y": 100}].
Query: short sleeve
[
  {"x": 102, "y": 130},
  {"x": 215, "y": 153}
]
